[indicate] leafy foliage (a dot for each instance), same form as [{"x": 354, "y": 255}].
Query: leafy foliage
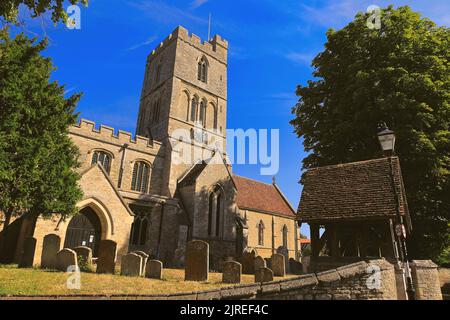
[
  {"x": 10, "y": 8},
  {"x": 398, "y": 74},
  {"x": 37, "y": 157}
]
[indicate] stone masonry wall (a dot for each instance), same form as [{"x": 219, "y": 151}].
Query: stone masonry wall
[{"x": 426, "y": 280}]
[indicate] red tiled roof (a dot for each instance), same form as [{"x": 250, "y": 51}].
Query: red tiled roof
[
  {"x": 305, "y": 241},
  {"x": 259, "y": 196}
]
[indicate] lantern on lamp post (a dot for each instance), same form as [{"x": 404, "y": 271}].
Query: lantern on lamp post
[{"x": 386, "y": 138}]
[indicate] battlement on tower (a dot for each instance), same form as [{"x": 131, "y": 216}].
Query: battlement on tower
[
  {"x": 87, "y": 128},
  {"x": 216, "y": 47}
]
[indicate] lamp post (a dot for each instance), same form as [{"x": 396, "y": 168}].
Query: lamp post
[{"x": 386, "y": 138}]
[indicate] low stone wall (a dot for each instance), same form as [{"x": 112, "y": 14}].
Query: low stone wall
[
  {"x": 349, "y": 282},
  {"x": 425, "y": 276},
  {"x": 371, "y": 280}
]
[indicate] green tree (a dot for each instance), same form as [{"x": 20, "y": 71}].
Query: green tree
[
  {"x": 37, "y": 156},
  {"x": 9, "y": 9},
  {"x": 399, "y": 75}
]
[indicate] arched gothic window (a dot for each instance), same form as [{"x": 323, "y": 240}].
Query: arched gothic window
[
  {"x": 215, "y": 210},
  {"x": 261, "y": 233},
  {"x": 156, "y": 111},
  {"x": 194, "y": 106},
  {"x": 102, "y": 158},
  {"x": 202, "y": 117},
  {"x": 203, "y": 70},
  {"x": 140, "y": 179},
  {"x": 135, "y": 230},
  {"x": 158, "y": 73},
  {"x": 285, "y": 236}
]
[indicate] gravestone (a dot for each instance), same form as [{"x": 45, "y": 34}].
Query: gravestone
[
  {"x": 145, "y": 258},
  {"x": 66, "y": 258},
  {"x": 263, "y": 275},
  {"x": 106, "y": 261},
  {"x": 50, "y": 248},
  {"x": 259, "y": 263},
  {"x": 232, "y": 271},
  {"x": 285, "y": 252},
  {"x": 29, "y": 248},
  {"x": 154, "y": 269},
  {"x": 131, "y": 265},
  {"x": 268, "y": 263},
  {"x": 295, "y": 266},
  {"x": 248, "y": 262},
  {"x": 85, "y": 253},
  {"x": 278, "y": 265},
  {"x": 197, "y": 261},
  {"x": 179, "y": 257},
  {"x": 305, "y": 263}
]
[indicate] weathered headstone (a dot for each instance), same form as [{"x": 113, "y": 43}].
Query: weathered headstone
[
  {"x": 295, "y": 266},
  {"x": 263, "y": 275},
  {"x": 85, "y": 253},
  {"x": 29, "y": 248},
  {"x": 66, "y": 258},
  {"x": 179, "y": 257},
  {"x": 268, "y": 262},
  {"x": 285, "y": 252},
  {"x": 154, "y": 269},
  {"x": 50, "y": 248},
  {"x": 305, "y": 263},
  {"x": 232, "y": 271},
  {"x": 197, "y": 261},
  {"x": 131, "y": 265},
  {"x": 106, "y": 261},
  {"x": 145, "y": 258},
  {"x": 248, "y": 262},
  {"x": 278, "y": 265},
  {"x": 259, "y": 263}
]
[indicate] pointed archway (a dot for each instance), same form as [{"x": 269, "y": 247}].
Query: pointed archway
[{"x": 84, "y": 229}]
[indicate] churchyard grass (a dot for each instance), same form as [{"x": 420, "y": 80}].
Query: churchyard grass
[{"x": 34, "y": 281}]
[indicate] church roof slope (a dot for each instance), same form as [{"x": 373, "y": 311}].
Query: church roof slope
[
  {"x": 263, "y": 197},
  {"x": 358, "y": 190}
]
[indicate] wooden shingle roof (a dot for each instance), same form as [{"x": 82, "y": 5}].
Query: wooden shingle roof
[{"x": 358, "y": 190}]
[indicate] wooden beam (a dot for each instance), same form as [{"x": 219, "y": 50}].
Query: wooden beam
[{"x": 314, "y": 228}]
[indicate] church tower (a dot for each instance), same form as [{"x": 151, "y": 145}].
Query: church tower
[
  {"x": 185, "y": 90},
  {"x": 185, "y": 86}
]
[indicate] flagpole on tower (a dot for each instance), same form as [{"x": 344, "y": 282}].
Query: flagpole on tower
[{"x": 209, "y": 28}]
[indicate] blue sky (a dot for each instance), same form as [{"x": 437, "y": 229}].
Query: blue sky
[{"x": 271, "y": 45}]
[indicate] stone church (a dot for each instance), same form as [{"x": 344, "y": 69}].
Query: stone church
[{"x": 172, "y": 182}]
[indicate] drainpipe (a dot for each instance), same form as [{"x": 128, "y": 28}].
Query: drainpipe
[
  {"x": 122, "y": 163},
  {"x": 158, "y": 248},
  {"x": 296, "y": 228},
  {"x": 273, "y": 235}
]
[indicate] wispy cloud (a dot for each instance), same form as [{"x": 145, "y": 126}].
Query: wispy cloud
[
  {"x": 69, "y": 90},
  {"x": 300, "y": 58},
  {"x": 165, "y": 13},
  {"x": 198, "y": 3},
  {"x": 142, "y": 44}
]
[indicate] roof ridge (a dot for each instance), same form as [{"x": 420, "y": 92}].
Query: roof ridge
[
  {"x": 348, "y": 164},
  {"x": 258, "y": 181}
]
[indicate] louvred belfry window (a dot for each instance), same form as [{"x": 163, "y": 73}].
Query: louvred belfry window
[{"x": 203, "y": 70}]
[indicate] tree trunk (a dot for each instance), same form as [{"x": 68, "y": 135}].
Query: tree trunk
[{"x": 8, "y": 215}]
